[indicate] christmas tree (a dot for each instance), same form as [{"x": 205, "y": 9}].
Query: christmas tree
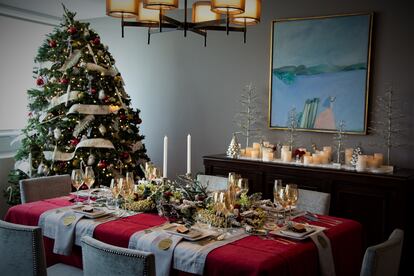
[{"x": 79, "y": 112}]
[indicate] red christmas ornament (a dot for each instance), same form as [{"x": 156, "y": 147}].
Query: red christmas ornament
[
  {"x": 122, "y": 117},
  {"x": 97, "y": 40},
  {"x": 74, "y": 141},
  {"x": 93, "y": 91},
  {"x": 64, "y": 81},
  {"x": 102, "y": 164},
  {"x": 40, "y": 81},
  {"x": 106, "y": 99},
  {"x": 52, "y": 43},
  {"x": 125, "y": 155},
  {"x": 72, "y": 30}
]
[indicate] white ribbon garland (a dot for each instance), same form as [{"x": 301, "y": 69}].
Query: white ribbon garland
[
  {"x": 93, "y": 109},
  {"x": 71, "y": 61},
  {"x": 57, "y": 155},
  {"x": 83, "y": 124},
  {"x": 106, "y": 72},
  {"x": 92, "y": 53}
]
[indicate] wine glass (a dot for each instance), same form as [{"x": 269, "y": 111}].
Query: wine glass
[
  {"x": 129, "y": 187},
  {"x": 292, "y": 195},
  {"x": 77, "y": 181},
  {"x": 116, "y": 190},
  {"x": 282, "y": 200},
  {"x": 277, "y": 183},
  {"x": 243, "y": 185},
  {"x": 89, "y": 179}
]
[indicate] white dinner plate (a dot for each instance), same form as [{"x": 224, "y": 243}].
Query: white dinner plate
[
  {"x": 310, "y": 230},
  {"x": 97, "y": 212},
  {"x": 194, "y": 234}
]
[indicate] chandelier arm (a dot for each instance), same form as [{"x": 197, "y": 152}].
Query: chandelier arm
[
  {"x": 204, "y": 24},
  {"x": 245, "y": 31},
  {"x": 224, "y": 28},
  {"x": 185, "y": 18},
  {"x": 152, "y": 25},
  {"x": 227, "y": 22},
  {"x": 122, "y": 24},
  {"x": 173, "y": 21},
  {"x": 160, "y": 20}
]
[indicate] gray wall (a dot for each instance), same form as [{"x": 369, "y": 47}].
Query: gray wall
[{"x": 182, "y": 87}]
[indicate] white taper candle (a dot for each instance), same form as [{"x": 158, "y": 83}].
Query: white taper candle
[
  {"x": 164, "y": 171},
  {"x": 188, "y": 154}
]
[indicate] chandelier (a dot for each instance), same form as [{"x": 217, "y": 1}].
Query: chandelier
[{"x": 214, "y": 15}]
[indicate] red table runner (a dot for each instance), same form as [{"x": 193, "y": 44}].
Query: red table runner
[{"x": 249, "y": 256}]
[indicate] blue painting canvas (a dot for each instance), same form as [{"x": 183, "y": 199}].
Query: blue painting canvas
[{"x": 320, "y": 67}]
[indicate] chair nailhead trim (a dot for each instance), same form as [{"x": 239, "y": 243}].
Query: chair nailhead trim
[
  {"x": 123, "y": 254},
  {"x": 34, "y": 247}
]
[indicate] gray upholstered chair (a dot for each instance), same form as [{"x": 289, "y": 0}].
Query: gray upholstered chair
[
  {"x": 213, "y": 183},
  {"x": 100, "y": 258},
  {"x": 22, "y": 253},
  {"x": 315, "y": 202},
  {"x": 384, "y": 259},
  {"x": 35, "y": 189}
]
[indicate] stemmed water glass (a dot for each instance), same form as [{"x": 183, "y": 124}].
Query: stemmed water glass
[
  {"x": 292, "y": 195},
  {"x": 278, "y": 182},
  {"x": 116, "y": 187},
  {"x": 77, "y": 181},
  {"x": 89, "y": 179},
  {"x": 243, "y": 185},
  {"x": 129, "y": 187}
]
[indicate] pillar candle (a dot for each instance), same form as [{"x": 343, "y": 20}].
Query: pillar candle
[
  {"x": 249, "y": 152},
  {"x": 164, "y": 173},
  {"x": 255, "y": 153},
  {"x": 380, "y": 158},
  {"x": 316, "y": 158},
  {"x": 328, "y": 151},
  {"x": 242, "y": 152},
  {"x": 348, "y": 156},
  {"x": 188, "y": 154},
  {"x": 267, "y": 155},
  {"x": 256, "y": 146},
  {"x": 307, "y": 160},
  {"x": 286, "y": 156},
  {"x": 324, "y": 157},
  {"x": 361, "y": 164}
]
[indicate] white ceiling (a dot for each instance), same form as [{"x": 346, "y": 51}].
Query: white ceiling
[{"x": 85, "y": 9}]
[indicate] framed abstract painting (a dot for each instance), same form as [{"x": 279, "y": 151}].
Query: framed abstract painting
[{"x": 319, "y": 71}]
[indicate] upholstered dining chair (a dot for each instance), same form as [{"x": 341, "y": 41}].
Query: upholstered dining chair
[
  {"x": 100, "y": 258},
  {"x": 213, "y": 183},
  {"x": 22, "y": 253},
  {"x": 384, "y": 259},
  {"x": 35, "y": 189},
  {"x": 315, "y": 202}
]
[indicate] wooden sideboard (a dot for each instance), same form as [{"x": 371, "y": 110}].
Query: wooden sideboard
[{"x": 380, "y": 202}]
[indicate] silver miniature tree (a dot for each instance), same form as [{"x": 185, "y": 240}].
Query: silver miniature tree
[
  {"x": 339, "y": 139},
  {"x": 390, "y": 127},
  {"x": 292, "y": 126},
  {"x": 250, "y": 117}
]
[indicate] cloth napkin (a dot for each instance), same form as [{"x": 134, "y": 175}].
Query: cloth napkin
[
  {"x": 149, "y": 242},
  {"x": 65, "y": 234},
  {"x": 326, "y": 261}
]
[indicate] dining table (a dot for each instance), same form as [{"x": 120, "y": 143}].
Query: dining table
[{"x": 251, "y": 255}]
